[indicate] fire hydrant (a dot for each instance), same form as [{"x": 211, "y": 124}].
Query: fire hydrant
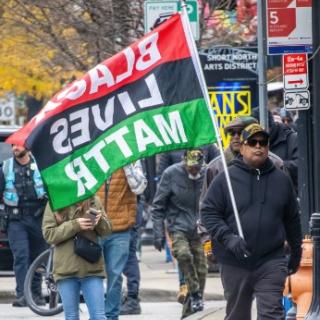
[{"x": 299, "y": 285}]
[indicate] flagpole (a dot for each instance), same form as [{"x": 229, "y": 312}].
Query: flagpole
[{"x": 192, "y": 45}]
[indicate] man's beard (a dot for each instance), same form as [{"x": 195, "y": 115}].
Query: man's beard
[{"x": 21, "y": 154}]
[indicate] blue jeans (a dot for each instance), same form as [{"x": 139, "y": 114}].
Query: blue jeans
[
  {"x": 92, "y": 289},
  {"x": 116, "y": 251},
  {"x": 132, "y": 269}
]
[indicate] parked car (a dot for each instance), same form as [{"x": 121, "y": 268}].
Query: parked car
[{"x": 6, "y": 259}]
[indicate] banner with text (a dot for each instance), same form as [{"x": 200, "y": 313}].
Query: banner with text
[
  {"x": 232, "y": 78},
  {"x": 144, "y": 100}
]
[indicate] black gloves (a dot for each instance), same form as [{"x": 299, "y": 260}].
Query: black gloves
[
  {"x": 159, "y": 243},
  {"x": 238, "y": 247}
]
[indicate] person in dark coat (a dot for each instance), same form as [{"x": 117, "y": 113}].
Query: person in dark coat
[
  {"x": 167, "y": 159},
  {"x": 24, "y": 197},
  {"x": 232, "y": 129},
  {"x": 255, "y": 266},
  {"x": 177, "y": 202},
  {"x": 287, "y": 119},
  {"x": 283, "y": 142}
]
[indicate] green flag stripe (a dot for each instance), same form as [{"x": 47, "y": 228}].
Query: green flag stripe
[{"x": 179, "y": 126}]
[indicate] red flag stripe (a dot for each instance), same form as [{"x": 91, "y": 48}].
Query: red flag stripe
[{"x": 149, "y": 52}]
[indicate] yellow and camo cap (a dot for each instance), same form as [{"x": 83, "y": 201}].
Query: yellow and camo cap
[
  {"x": 249, "y": 131},
  {"x": 193, "y": 157}
]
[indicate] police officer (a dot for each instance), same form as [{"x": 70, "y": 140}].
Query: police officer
[{"x": 24, "y": 198}]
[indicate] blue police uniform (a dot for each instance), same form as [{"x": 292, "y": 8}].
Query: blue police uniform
[{"x": 25, "y": 199}]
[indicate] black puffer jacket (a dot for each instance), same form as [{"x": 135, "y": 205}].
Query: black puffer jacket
[
  {"x": 177, "y": 202},
  {"x": 267, "y": 208}
]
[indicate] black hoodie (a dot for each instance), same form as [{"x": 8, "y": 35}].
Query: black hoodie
[{"x": 268, "y": 212}]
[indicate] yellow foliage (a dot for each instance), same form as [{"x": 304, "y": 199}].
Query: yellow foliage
[
  {"x": 27, "y": 64},
  {"x": 44, "y": 44}
]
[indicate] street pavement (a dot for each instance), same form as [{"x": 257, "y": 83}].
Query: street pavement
[
  {"x": 159, "y": 288},
  {"x": 150, "y": 311}
]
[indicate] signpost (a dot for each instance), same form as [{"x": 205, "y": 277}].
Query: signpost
[
  {"x": 153, "y": 9},
  {"x": 299, "y": 100},
  {"x": 296, "y": 81},
  {"x": 295, "y": 71},
  {"x": 289, "y": 26}
]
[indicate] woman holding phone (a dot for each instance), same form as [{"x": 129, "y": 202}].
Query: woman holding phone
[{"x": 71, "y": 272}]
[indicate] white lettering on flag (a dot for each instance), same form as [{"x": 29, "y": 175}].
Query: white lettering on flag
[
  {"x": 148, "y": 48},
  {"x": 155, "y": 95},
  {"x": 129, "y": 54},
  {"x": 82, "y": 173},
  {"x": 100, "y": 75},
  {"x": 118, "y": 138},
  {"x": 81, "y": 126},
  {"x": 96, "y": 154},
  {"x": 145, "y": 136},
  {"x": 126, "y": 103},
  {"x": 174, "y": 129},
  {"x": 108, "y": 115},
  {"x": 58, "y": 142}
]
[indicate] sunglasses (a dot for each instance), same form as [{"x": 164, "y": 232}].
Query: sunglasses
[
  {"x": 233, "y": 132},
  {"x": 253, "y": 142}
]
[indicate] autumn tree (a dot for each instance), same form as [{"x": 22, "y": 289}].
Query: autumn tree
[{"x": 46, "y": 43}]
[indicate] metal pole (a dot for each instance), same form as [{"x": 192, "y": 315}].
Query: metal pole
[
  {"x": 262, "y": 64},
  {"x": 199, "y": 71},
  {"x": 316, "y": 101},
  {"x": 305, "y": 171},
  {"x": 314, "y": 311}
]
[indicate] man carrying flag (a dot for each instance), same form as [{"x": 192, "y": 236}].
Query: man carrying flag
[{"x": 254, "y": 265}]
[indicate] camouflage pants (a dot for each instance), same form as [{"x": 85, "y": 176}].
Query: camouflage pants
[{"x": 191, "y": 260}]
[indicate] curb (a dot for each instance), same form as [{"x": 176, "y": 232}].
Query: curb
[
  {"x": 156, "y": 295},
  {"x": 7, "y": 294},
  {"x": 205, "y": 314},
  {"x": 146, "y": 295}
]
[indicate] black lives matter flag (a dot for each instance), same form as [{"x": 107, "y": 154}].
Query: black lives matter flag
[{"x": 144, "y": 100}]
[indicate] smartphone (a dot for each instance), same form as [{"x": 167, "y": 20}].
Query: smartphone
[{"x": 91, "y": 214}]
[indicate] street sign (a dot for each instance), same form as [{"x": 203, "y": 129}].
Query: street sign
[
  {"x": 299, "y": 100},
  {"x": 289, "y": 26},
  {"x": 7, "y": 109},
  {"x": 295, "y": 71},
  {"x": 153, "y": 9}
]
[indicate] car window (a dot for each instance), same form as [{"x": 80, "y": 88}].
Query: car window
[{"x": 5, "y": 151}]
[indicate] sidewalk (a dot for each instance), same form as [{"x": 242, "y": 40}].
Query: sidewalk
[
  {"x": 157, "y": 279},
  {"x": 159, "y": 283},
  {"x": 162, "y": 279}
]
